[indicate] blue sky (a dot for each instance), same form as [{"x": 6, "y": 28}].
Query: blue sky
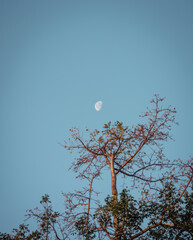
[{"x": 58, "y": 58}]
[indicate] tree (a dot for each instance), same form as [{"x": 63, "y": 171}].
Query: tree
[
  {"x": 136, "y": 153},
  {"x": 49, "y": 224},
  {"x": 164, "y": 205}
]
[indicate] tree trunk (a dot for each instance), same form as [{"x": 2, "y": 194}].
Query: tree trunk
[
  {"x": 114, "y": 192},
  {"x": 114, "y": 185}
]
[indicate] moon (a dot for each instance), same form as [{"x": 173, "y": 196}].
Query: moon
[{"x": 98, "y": 105}]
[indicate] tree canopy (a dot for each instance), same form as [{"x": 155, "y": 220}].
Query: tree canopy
[{"x": 163, "y": 206}]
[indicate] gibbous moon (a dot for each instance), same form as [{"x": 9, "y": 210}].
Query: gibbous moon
[{"x": 98, "y": 105}]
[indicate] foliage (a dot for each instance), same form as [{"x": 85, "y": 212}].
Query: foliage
[
  {"x": 129, "y": 216},
  {"x": 133, "y": 215},
  {"x": 21, "y": 233}
]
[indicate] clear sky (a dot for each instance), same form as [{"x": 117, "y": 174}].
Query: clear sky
[{"x": 57, "y": 58}]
